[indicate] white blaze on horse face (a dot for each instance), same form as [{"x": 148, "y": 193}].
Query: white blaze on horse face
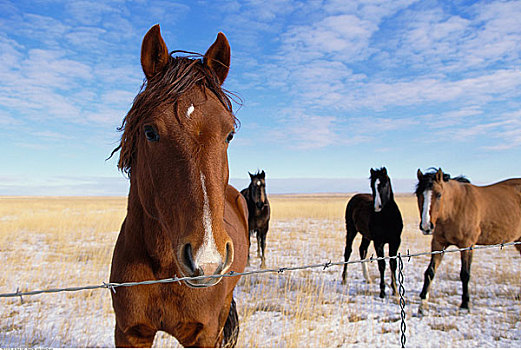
[
  {"x": 190, "y": 110},
  {"x": 207, "y": 253},
  {"x": 258, "y": 183},
  {"x": 426, "y": 214},
  {"x": 377, "y": 200}
]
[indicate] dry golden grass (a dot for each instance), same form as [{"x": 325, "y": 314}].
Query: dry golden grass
[{"x": 60, "y": 241}]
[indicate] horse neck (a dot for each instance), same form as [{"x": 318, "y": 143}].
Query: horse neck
[
  {"x": 391, "y": 193},
  {"x": 453, "y": 199},
  {"x": 250, "y": 193}
]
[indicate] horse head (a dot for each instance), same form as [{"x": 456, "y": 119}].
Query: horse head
[
  {"x": 258, "y": 189},
  {"x": 381, "y": 187},
  {"x": 174, "y": 149},
  {"x": 429, "y": 193}
]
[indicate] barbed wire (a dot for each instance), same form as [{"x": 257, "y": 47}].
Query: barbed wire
[
  {"x": 112, "y": 286},
  {"x": 401, "y": 292}
]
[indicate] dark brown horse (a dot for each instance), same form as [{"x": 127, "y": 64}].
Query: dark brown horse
[
  {"x": 258, "y": 212},
  {"x": 456, "y": 212},
  {"x": 183, "y": 219},
  {"x": 378, "y": 219}
]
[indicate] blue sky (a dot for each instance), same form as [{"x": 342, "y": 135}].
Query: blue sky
[{"x": 330, "y": 88}]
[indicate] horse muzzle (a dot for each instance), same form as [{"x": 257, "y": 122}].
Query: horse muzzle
[
  {"x": 205, "y": 273},
  {"x": 429, "y": 230}
]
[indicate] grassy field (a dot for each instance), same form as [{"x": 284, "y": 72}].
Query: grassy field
[{"x": 53, "y": 242}]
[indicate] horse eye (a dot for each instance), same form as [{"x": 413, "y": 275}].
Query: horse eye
[
  {"x": 151, "y": 134},
  {"x": 230, "y": 137},
  {"x": 438, "y": 195}
]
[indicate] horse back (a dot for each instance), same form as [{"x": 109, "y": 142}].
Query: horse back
[
  {"x": 500, "y": 211},
  {"x": 236, "y": 225}
]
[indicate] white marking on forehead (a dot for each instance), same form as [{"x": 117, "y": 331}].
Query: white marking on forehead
[
  {"x": 378, "y": 200},
  {"x": 258, "y": 183},
  {"x": 190, "y": 110},
  {"x": 426, "y": 216},
  {"x": 207, "y": 253}
]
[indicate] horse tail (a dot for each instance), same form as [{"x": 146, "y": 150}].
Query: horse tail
[{"x": 231, "y": 327}]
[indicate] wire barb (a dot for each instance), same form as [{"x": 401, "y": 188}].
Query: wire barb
[
  {"x": 19, "y": 294},
  {"x": 110, "y": 286},
  {"x": 327, "y": 265}
]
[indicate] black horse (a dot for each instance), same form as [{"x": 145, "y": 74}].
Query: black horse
[
  {"x": 258, "y": 211},
  {"x": 378, "y": 219}
]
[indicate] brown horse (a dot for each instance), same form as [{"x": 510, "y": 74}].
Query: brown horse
[
  {"x": 183, "y": 219},
  {"x": 459, "y": 213}
]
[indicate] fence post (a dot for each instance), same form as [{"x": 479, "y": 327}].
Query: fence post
[{"x": 401, "y": 292}]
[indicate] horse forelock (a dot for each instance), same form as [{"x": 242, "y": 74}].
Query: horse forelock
[
  {"x": 428, "y": 179},
  {"x": 179, "y": 76},
  {"x": 378, "y": 174},
  {"x": 426, "y": 183}
]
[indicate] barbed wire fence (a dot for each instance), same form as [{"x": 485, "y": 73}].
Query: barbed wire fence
[{"x": 401, "y": 289}]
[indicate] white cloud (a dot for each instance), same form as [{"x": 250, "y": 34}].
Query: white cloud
[
  {"x": 345, "y": 35},
  {"x": 301, "y": 131}
]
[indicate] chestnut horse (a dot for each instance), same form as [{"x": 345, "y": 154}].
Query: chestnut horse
[
  {"x": 456, "y": 212},
  {"x": 183, "y": 219},
  {"x": 377, "y": 217}
]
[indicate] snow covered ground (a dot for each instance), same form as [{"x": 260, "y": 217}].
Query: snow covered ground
[{"x": 308, "y": 308}]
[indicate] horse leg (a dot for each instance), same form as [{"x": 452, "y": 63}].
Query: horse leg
[
  {"x": 381, "y": 266},
  {"x": 429, "y": 274},
  {"x": 393, "y": 251},
  {"x": 263, "y": 234},
  {"x": 466, "y": 260},
  {"x": 363, "y": 253},
  {"x": 231, "y": 328},
  {"x": 258, "y": 243},
  {"x": 249, "y": 246},
  {"x": 139, "y": 336},
  {"x": 350, "y": 236}
]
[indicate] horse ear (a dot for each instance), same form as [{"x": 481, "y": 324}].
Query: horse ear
[
  {"x": 154, "y": 54},
  {"x": 251, "y": 175},
  {"x": 218, "y": 57},
  {"x": 372, "y": 172},
  {"x": 439, "y": 175},
  {"x": 263, "y": 175},
  {"x": 384, "y": 170},
  {"x": 419, "y": 174}
]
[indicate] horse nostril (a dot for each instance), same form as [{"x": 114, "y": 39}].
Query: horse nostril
[
  {"x": 229, "y": 256},
  {"x": 188, "y": 258}
]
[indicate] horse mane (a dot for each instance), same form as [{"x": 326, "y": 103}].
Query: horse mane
[
  {"x": 179, "y": 76},
  {"x": 428, "y": 180}
]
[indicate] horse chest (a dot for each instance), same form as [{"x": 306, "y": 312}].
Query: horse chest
[
  {"x": 260, "y": 216},
  {"x": 385, "y": 225},
  {"x": 181, "y": 308}
]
